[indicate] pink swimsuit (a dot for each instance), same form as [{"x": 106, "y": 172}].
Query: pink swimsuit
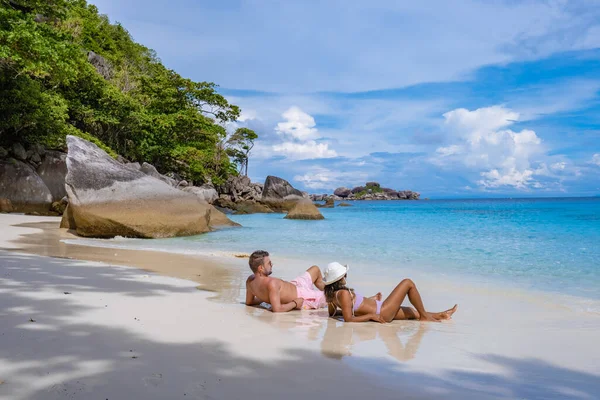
[{"x": 358, "y": 299}]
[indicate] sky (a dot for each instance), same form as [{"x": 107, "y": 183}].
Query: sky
[{"x": 447, "y": 98}]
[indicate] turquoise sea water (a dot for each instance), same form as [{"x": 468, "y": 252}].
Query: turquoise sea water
[{"x": 544, "y": 244}]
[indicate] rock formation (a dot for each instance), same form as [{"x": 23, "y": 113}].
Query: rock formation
[
  {"x": 204, "y": 192},
  {"x": 371, "y": 191},
  {"x": 342, "y": 192},
  {"x": 108, "y": 199},
  {"x": 304, "y": 209},
  {"x": 53, "y": 170},
  {"x": 276, "y": 189},
  {"x": 20, "y": 184}
]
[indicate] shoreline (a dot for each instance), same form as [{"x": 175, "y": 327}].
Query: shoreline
[
  {"x": 498, "y": 336},
  {"x": 288, "y": 267}
]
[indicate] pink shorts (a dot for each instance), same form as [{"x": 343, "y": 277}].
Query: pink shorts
[{"x": 313, "y": 297}]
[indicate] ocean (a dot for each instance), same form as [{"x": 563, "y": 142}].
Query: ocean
[{"x": 550, "y": 245}]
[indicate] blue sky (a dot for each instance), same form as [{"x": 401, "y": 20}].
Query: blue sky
[{"x": 448, "y": 98}]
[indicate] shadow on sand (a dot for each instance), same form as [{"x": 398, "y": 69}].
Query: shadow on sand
[{"x": 67, "y": 358}]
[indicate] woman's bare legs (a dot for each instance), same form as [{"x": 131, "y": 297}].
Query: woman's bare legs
[
  {"x": 392, "y": 306},
  {"x": 411, "y": 313}
]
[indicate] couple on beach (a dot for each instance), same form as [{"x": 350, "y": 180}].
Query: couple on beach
[{"x": 331, "y": 292}]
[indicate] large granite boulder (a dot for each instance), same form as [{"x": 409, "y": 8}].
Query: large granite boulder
[
  {"x": 373, "y": 185},
  {"x": 53, "y": 171},
  {"x": 304, "y": 209},
  {"x": 279, "y": 189},
  {"x": 204, "y": 192},
  {"x": 342, "y": 192},
  {"x": 23, "y": 187},
  {"x": 149, "y": 169},
  {"x": 107, "y": 199},
  {"x": 358, "y": 189}
]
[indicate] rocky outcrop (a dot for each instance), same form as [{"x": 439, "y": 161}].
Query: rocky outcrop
[
  {"x": 342, "y": 192},
  {"x": 304, "y": 209},
  {"x": 23, "y": 187},
  {"x": 408, "y": 195},
  {"x": 108, "y": 199},
  {"x": 53, "y": 171},
  {"x": 240, "y": 188},
  {"x": 276, "y": 189},
  {"x": 279, "y": 195},
  {"x": 204, "y": 192},
  {"x": 371, "y": 191},
  {"x": 344, "y": 204},
  {"x": 102, "y": 66}
]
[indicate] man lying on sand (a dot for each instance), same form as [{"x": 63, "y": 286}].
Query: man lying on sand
[{"x": 282, "y": 295}]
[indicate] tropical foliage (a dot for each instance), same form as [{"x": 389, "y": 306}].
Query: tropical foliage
[{"x": 65, "y": 69}]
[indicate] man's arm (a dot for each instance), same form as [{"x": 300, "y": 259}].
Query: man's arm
[
  {"x": 251, "y": 299},
  {"x": 275, "y": 298}
]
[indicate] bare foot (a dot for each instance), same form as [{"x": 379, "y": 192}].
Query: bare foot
[
  {"x": 428, "y": 317},
  {"x": 448, "y": 313}
]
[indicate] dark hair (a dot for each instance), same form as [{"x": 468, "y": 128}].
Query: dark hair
[
  {"x": 332, "y": 288},
  {"x": 256, "y": 259}
]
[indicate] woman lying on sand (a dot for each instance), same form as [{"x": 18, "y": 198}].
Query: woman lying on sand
[{"x": 356, "y": 308}]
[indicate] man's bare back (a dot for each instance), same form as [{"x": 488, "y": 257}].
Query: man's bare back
[
  {"x": 282, "y": 295},
  {"x": 272, "y": 290}
]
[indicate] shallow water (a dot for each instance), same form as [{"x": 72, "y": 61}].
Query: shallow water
[{"x": 543, "y": 244}]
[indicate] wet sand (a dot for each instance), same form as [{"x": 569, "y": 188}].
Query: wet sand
[{"x": 204, "y": 343}]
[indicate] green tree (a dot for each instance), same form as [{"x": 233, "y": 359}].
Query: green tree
[
  {"x": 239, "y": 145},
  {"x": 50, "y": 86}
]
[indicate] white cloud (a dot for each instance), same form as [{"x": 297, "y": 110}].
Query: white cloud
[
  {"x": 332, "y": 46},
  {"x": 502, "y": 156},
  {"x": 596, "y": 159},
  {"x": 304, "y": 151},
  {"x": 326, "y": 179},
  {"x": 299, "y": 133},
  {"x": 298, "y": 125},
  {"x": 449, "y": 151}
]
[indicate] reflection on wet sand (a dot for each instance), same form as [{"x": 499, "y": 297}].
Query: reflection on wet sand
[{"x": 338, "y": 339}]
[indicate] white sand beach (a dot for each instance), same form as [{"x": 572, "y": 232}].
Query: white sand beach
[{"x": 92, "y": 330}]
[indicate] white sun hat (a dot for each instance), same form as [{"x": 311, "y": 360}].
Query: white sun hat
[{"x": 334, "y": 272}]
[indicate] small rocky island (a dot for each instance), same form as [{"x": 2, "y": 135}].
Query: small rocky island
[{"x": 371, "y": 191}]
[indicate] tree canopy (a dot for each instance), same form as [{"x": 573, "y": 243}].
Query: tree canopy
[{"x": 66, "y": 69}]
